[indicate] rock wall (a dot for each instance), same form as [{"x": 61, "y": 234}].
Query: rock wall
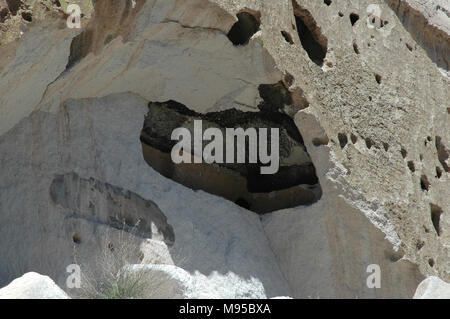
[{"x": 368, "y": 100}]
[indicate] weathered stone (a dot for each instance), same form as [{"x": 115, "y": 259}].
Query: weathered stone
[
  {"x": 32, "y": 286},
  {"x": 368, "y": 100},
  {"x": 433, "y": 288}
]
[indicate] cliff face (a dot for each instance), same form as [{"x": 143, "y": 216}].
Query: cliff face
[{"x": 362, "y": 83}]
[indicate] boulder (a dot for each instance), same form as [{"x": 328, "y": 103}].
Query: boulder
[
  {"x": 32, "y": 286},
  {"x": 433, "y": 288}
]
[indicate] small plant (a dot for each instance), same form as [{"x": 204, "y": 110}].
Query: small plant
[{"x": 107, "y": 276}]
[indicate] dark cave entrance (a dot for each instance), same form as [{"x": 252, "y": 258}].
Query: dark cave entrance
[{"x": 294, "y": 184}]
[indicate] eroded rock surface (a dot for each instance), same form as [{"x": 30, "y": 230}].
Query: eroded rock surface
[{"x": 368, "y": 99}]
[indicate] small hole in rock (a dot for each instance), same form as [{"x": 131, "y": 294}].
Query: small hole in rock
[
  {"x": 386, "y": 146},
  {"x": 410, "y": 48},
  {"x": 443, "y": 153},
  {"x": 111, "y": 246},
  {"x": 369, "y": 143},
  {"x": 420, "y": 244},
  {"x": 246, "y": 26},
  {"x": 436, "y": 213},
  {"x": 76, "y": 238},
  {"x": 424, "y": 184},
  {"x": 318, "y": 141},
  {"x": 353, "y": 138},
  {"x": 378, "y": 78},
  {"x": 431, "y": 262},
  {"x": 438, "y": 172},
  {"x": 287, "y": 37},
  {"x": 404, "y": 153},
  {"x": 411, "y": 166},
  {"x": 355, "y": 48},
  {"x": 327, "y": 2},
  {"x": 27, "y": 16},
  {"x": 342, "y": 139},
  {"x": 354, "y": 18}
]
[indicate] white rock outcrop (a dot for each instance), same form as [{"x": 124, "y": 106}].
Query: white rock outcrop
[
  {"x": 32, "y": 286},
  {"x": 433, "y": 288},
  {"x": 171, "y": 282}
]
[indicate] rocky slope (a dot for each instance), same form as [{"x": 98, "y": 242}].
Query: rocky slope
[{"x": 368, "y": 94}]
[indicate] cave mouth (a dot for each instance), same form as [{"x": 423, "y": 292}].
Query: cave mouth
[{"x": 294, "y": 184}]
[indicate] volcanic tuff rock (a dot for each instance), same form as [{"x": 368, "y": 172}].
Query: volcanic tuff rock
[
  {"x": 32, "y": 286},
  {"x": 369, "y": 99}
]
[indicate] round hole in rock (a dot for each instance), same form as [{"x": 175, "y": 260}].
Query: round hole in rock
[
  {"x": 327, "y": 2},
  {"x": 76, "y": 238},
  {"x": 294, "y": 183},
  {"x": 340, "y": 14},
  {"x": 431, "y": 262},
  {"x": 246, "y": 26},
  {"x": 378, "y": 78},
  {"x": 27, "y": 16},
  {"x": 111, "y": 246}
]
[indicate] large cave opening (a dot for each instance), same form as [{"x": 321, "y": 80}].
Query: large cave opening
[{"x": 241, "y": 180}]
